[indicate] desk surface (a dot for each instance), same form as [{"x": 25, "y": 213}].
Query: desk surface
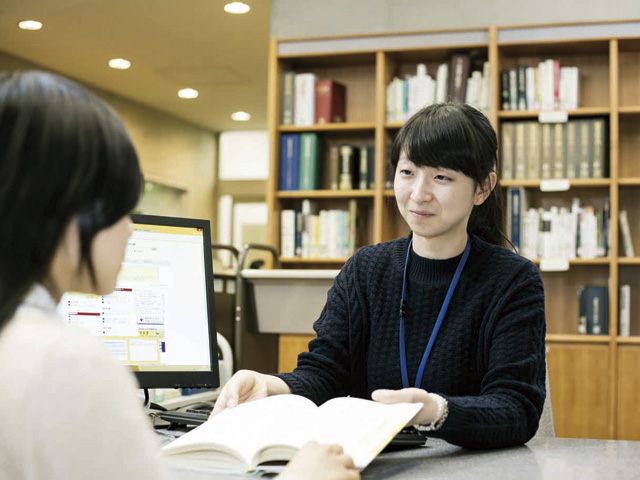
[{"x": 544, "y": 458}]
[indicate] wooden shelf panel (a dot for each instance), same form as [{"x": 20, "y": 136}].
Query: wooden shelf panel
[
  {"x": 629, "y": 260},
  {"x": 578, "y": 182},
  {"x": 328, "y": 194},
  {"x": 583, "y": 112},
  {"x": 329, "y": 127},
  {"x": 633, "y": 109},
  {"x": 306, "y": 261},
  {"x": 582, "y": 261},
  {"x": 630, "y": 181},
  {"x": 628, "y": 340},
  {"x": 569, "y": 338}
]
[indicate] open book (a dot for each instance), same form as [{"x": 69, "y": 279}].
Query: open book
[{"x": 274, "y": 428}]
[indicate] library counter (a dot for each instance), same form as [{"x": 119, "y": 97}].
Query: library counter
[{"x": 543, "y": 458}]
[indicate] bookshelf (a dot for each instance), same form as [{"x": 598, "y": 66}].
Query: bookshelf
[{"x": 593, "y": 377}]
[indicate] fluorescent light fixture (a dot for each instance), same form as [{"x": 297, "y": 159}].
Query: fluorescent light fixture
[
  {"x": 30, "y": 25},
  {"x": 119, "y": 63},
  {"x": 188, "y": 93},
  {"x": 237, "y": 8},
  {"x": 240, "y": 116}
]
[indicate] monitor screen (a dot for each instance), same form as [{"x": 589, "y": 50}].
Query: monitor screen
[{"x": 160, "y": 320}]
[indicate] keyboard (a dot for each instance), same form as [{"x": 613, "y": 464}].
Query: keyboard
[{"x": 186, "y": 417}]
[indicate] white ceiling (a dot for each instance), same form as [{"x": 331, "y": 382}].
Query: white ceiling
[{"x": 172, "y": 44}]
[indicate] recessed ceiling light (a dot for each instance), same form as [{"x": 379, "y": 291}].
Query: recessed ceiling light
[
  {"x": 237, "y": 8},
  {"x": 30, "y": 25},
  {"x": 240, "y": 116},
  {"x": 187, "y": 93},
  {"x": 119, "y": 63}
]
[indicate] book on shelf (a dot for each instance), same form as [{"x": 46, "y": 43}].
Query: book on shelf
[
  {"x": 421, "y": 90},
  {"x": 309, "y": 161},
  {"x": 533, "y": 150},
  {"x": 624, "y": 329},
  {"x": 365, "y": 164},
  {"x": 330, "y": 101},
  {"x": 517, "y": 205},
  {"x": 348, "y": 161},
  {"x": 627, "y": 241},
  {"x": 289, "y": 161},
  {"x": 572, "y": 152},
  {"x": 276, "y": 427},
  {"x": 598, "y": 156},
  {"x": 331, "y": 168},
  {"x": 520, "y": 157},
  {"x": 287, "y": 233},
  {"x": 288, "y": 98},
  {"x": 521, "y": 76},
  {"x": 504, "y": 90},
  {"x": 559, "y": 158},
  {"x": 513, "y": 89},
  {"x": 442, "y": 82},
  {"x": 506, "y": 150},
  {"x": 584, "y": 157},
  {"x": 546, "y": 153},
  {"x": 593, "y": 309},
  {"x": 460, "y": 69},
  {"x": 304, "y": 99}
]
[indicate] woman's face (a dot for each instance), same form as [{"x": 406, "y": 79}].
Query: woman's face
[{"x": 435, "y": 202}]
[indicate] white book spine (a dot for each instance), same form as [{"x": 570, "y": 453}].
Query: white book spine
[
  {"x": 442, "y": 83},
  {"x": 625, "y": 311},
  {"x": 305, "y": 96},
  {"x": 530, "y": 88},
  {"x": 627, "y": 241},
  {"x": 287, "y": 233}
]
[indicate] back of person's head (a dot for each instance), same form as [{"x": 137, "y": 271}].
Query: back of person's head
[
  {"x": 458, "y": 137},
  {"x": 64, "y": 155}
]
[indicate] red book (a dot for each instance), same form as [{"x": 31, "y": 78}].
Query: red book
[{"x": 330, "y": 101}]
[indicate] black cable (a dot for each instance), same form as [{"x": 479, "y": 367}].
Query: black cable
[{"x": 146, "y": 397}]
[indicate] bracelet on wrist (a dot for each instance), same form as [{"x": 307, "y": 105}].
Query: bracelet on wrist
[{"x": 441, "y": 415}]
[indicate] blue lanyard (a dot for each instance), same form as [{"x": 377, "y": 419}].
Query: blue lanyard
[{"x": 436, "y": 328}]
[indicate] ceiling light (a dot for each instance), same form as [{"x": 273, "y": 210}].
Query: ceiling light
[
  {"x": 30, "y": 25},
  {"x": 119, "y": 63},
  {"x": 240, "y": 116},
  {"x": 187, "y": 93},
  {"x": 237, "y": 8}
]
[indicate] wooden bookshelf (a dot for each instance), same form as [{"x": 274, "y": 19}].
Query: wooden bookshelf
[{"x": 593, "y": 378}]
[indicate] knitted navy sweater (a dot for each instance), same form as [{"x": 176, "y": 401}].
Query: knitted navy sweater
[{"x": 488, "y": 360}]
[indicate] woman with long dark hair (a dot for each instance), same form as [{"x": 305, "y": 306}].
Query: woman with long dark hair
[
  {"x": 69, "y": 177},
  {"x": 446, "y": 316}
]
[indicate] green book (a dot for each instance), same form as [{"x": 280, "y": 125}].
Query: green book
[{"x": 309, "y": 161}]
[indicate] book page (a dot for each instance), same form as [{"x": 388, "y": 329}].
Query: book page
[
  {"x": 362, "y": 427},
  {"x": 250, "y": 427}
]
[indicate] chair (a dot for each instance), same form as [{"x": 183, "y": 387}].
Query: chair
[{"x": 545, "y": 427}]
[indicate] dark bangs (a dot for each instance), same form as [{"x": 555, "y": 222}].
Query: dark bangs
[{"x": 446, "y": 135}]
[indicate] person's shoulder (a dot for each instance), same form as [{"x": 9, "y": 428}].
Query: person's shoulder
[
  {"x": 384, "y": 253},
  {"x": 503, "y": 259}
]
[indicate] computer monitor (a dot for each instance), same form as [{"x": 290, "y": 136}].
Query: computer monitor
[{"x": 160, "y": 320}]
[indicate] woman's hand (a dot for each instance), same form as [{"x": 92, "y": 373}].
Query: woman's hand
[
  {"x": 247, "y": 385},
  {"x": 425, "y": 416},
  {"x": 320, "y": 462}
]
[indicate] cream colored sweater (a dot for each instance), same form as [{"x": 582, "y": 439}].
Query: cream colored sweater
[{"x": 68, "y": 410}]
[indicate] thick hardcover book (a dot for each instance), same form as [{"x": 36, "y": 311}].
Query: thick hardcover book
[
  {"x": 347, "y": 167},
  {"x": 504, "y": 90},
  {"x": 371, "y": 168},
  {"x": 289, "y": 161},
  {"x": 331, "y": 168},
  {"x": 276, "y": 427},
  {"x": 572, "y": 151},
  {"x": 584, "y": 159},
  {"x": 599, "y": 167},
  {"x": 330, "y": 102},
  {"x": 520, "y": 158},
  {"x": 546, "y": 153},
  {"x": 559, "y": 158},
  {"x": 533, "y": 150},
  {"x": 506, "y": 150},
  {"x": 517, "y": 206},
  {"x": 288, "y": 233},
  {"x": 288, "y": 98},
  {"x": 627, "y": 241},
  {"x": 594, "y": 308},
  {"x": 305, "y": 99},
  {"x": 363, "y": 168},
  {"x": 522, "y": 87},
  {"x": 625, "y": 311},
  {"x": 460, "y": 68},
  {"x": 309, "y": 161}
]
